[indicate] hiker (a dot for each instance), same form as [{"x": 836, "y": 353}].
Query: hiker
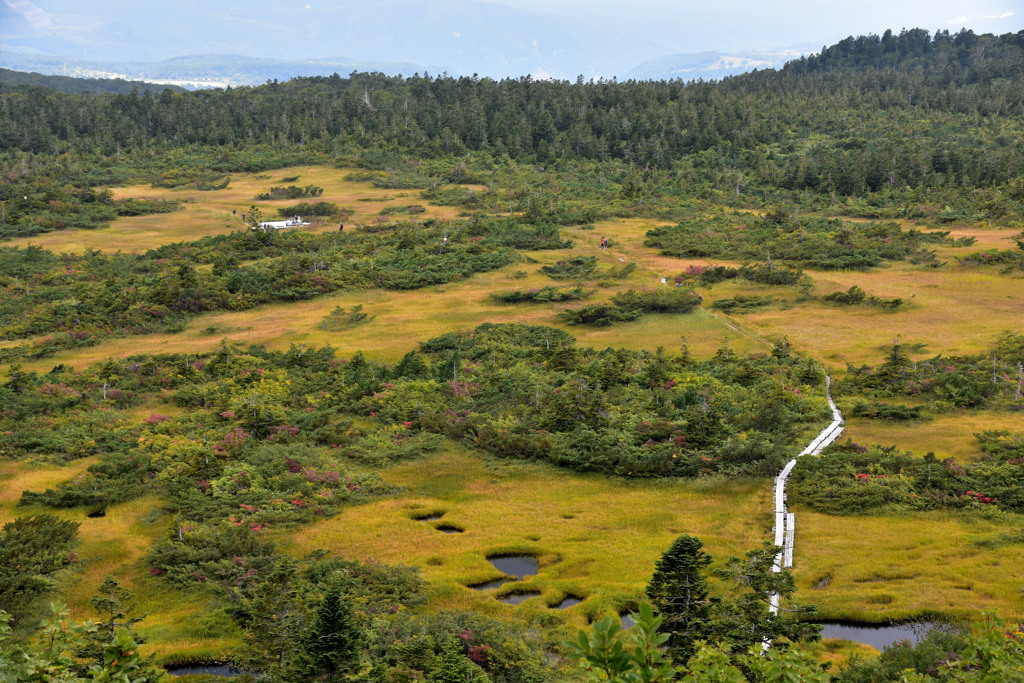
[
  {"x": 341, "y": 227},
  {"x": 234, "y": 212}
]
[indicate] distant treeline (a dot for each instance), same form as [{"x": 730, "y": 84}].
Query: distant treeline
[
  {"x": 867, "y": 115},
  {"x": 78, "y": 86}
]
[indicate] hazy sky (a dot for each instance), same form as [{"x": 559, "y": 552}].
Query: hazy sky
[
  {"x": 494, "y": 37},
  {"x": 772, "y": 23}
]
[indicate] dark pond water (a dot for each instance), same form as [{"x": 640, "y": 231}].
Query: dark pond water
[
  {"x": 429, "y": 517},
  {"x": 517, "y": 566},
  {"x": 627, "y": 621},
  {"x": 449, "y": 529},
  {"x": 96, "y": 514},
  {"x": 210, "y": 669},
  {"x": 877, "y": 636},
  {"x": 491, "y": 584},
  {"x": 516, "y": 598},
  {"x": 568, "y": 601}
]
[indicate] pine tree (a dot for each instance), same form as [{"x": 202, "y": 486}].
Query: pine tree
[
  {"x": 679, "y": 592},
  {"x": 333, "y": 641},
  {"x": 114, "y": 602},
  {"x": 115, "y": 605},
  {"x": 452, "y": 666},
  {"x": 743, "y": 618}
]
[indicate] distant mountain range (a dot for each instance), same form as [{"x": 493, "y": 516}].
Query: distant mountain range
[
  {"x": 81, "y": 85},
  {"x": 249, "y": 43},
  {"x": 713, "y": 65},
  {"x": 213, "y": 71},
  {"x": 203, "y": 71}
]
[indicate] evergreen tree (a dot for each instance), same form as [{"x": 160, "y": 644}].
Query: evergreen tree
[
  {"x": 333, "y": 641},
  {"x": 452, "y": 666},
  {"x": 743, "y": 619},
  {"x": 115, "y": 605},
  {"x": 114, "y": 602},
  {"x": 32, "y": 550},
  {"x": 678, "y": 590},
  {"x": 274, "y": 616}
]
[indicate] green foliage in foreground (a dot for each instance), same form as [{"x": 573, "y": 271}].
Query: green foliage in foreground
[
  {"x": 991, "y": 653},
  {"x": 741, "y": 618},
  {"x": 325, "y": 618},
  {"x": 851, "y": 479},
  {"x": 51, "y": 659},
  {"x": 32, "y": 551}
]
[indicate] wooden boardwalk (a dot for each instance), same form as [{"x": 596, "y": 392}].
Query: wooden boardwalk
[{"x": 785, "y": 529}]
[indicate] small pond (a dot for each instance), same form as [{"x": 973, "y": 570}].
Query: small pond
[
  {"x": 567, "y": 602},
  {"x": 876, "y": 635},
  {"x": 516, "y": 598},
  {"x": 627, "y": 621},
  {"x": 515, "y": 565},
  {"x": 429, "y": 517},
  {"x": 209, "y": 669},
  {"x": 490, "y": 584},
  {"x": 449, "y": 529}
]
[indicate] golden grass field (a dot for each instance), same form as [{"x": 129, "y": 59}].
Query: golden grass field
[
  {"x": 950, "y": 435},
  {"x": 880, "y": 567},
  {"x": 596, "y": 537}
]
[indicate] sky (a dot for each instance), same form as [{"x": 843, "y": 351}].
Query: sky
[
  {"x": 774, "y": 23},
  {"x": 595, "y": 38}
]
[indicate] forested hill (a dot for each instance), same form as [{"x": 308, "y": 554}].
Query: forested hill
[
  {"x": 869, "y": 115},
  {"x": 942, "y": 59},
  {"x": 78, "y": 86}
]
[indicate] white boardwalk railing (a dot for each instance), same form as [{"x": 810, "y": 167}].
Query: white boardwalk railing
[{"x": 785, "y": 520}]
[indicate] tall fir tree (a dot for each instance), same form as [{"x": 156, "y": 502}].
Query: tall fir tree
[
  {"x": 678, "y": 590},
  {"x": 333, "y": 641}
]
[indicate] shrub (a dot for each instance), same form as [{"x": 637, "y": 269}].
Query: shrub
[
  {"x": 311, "y": 209},
  {"x": 854, "y": 295},
  {"x": 600, "y": 315},
  {"x": 340, "y": 319},
  {"x": 291, "y": 192},
  {"x": 660, "y": 300},
  {"x": 742, "y": 303},
  {"x": 542, "y": 295},
  {"x": 575, "y": 268},
  {"x": 886, "y": 411}
]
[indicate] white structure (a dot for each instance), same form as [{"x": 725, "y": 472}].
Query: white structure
[
  {"x": 785, "y": 521},
  {"x": 293, "y": 222}
]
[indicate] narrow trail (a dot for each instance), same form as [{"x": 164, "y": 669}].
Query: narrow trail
[{"x": 785, "y": 520}]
